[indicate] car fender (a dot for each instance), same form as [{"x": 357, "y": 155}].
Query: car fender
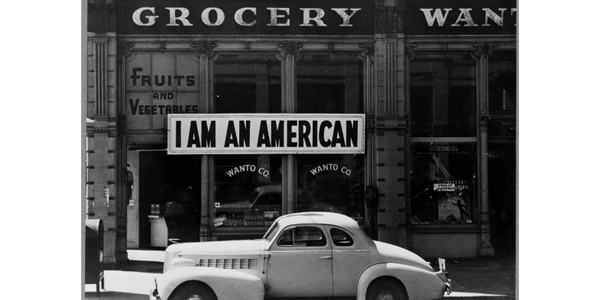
[
  {"x": 227, "y": 284},
  {"x": 419, "y": 283}
]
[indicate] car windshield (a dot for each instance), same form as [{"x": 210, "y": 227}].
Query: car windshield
[{"x": 271, "y": 232}]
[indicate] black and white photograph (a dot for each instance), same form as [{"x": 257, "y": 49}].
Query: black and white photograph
[{"x": 300, "y": 149}]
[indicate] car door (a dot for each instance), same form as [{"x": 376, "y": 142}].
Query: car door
[
  {"x": 300, "y": 263},
  {"x": 350, "y": 258}
]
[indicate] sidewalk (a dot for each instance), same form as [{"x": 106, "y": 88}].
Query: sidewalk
[
  {"x": 472, "y": 279},
  {"x": 482, "y": 278}
]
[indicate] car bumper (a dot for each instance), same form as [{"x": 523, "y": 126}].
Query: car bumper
[
  {"x": 443, "y": 275},
  {"x": 154, "y": 295}
]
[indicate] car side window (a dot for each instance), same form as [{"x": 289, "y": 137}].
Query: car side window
[
  {"x": 341, "y": 238},
  {"x": 302, "y": 237}
]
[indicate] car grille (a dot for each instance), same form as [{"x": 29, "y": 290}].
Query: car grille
[{"x": 225, "y": 263}]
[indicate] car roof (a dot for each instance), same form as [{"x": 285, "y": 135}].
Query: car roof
[{"x": 318, "y": 217}]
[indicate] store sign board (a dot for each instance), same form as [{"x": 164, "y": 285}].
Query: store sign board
[
  {"x": 159, "y": 84},
  {"x": 245, "y": 17},
  {"x": 460, "y": 17},
  {"x": 266, "y": 133}
]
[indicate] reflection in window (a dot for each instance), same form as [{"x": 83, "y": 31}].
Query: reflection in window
[
  {"x": 302, "y": 237},
  {"x": 330, "y": 83},
  {"x": 247, "y": 190},
  {"x": 442, "y": 95},
  {"x": 247, "y": 83},
  {"x": 333, "y": 183},
  {"x": 443, "y": 183}
]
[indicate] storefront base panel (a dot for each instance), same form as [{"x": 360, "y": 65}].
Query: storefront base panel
[
  {"x": 395, "y": 236},
  {"x": 110, "y": 238},
  {"x": 445, "y": 245}
]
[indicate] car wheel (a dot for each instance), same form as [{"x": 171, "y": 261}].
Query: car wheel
[
  {"x": 386, "y": 289},
  {"x": 193, "y": 291}
]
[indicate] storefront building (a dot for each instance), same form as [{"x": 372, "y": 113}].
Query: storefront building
[{"x": 210, "y": 119}]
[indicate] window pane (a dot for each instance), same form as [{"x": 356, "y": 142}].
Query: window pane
[
  {"x": 503, "y": 94},
  {"x": 341, "y": 238},
  {"x": 502, "y": 81},
  {"x": 303, "y": 237},
  {"x": 330, "y": 83},
  {"x": 332, "y": 183},
  {"x": 247, "y": 83},
  {"x": 443, "y": 183},
  {"x": 442, "y": 95},
  {"x": 247, "y": 190}
]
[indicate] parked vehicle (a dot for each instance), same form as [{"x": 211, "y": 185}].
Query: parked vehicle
[{"x": 302, "y": 255}]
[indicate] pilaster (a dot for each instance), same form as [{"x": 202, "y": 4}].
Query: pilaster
[
  {"x": 101, "y": 164},
  {"x": 390, "y": 125},
  {"x": 481, "y": 54},
  {"x": 289, "y": 54}
]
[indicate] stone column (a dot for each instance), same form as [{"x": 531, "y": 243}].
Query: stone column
[
  {"x": 390, "y": 123},
  {"x": 481, "y": 54},
  {"x": 289, "y": 54},
  {"x": 205, "y": 52}
]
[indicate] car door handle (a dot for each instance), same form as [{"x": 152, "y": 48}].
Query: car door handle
[{"x": 326, "y": 257}]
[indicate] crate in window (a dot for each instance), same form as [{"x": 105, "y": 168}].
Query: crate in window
[{"x": 173, "y": 209}]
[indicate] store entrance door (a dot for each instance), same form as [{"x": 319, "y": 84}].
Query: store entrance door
[{"x": 169, "y": 198}]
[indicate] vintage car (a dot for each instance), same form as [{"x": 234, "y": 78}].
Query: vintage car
[{"x": 302, "y": 255}]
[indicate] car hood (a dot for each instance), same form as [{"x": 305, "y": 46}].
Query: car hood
[
  {"x": 220, "y": 247},
  {"x": 392, "y": 253}
]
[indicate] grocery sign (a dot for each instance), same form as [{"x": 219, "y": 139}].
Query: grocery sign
[
  {"x": 264, "y": 134},
  {"x": 246, "y": 17}
]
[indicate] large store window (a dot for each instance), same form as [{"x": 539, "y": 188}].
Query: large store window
[
  {"x": 331, "y": 183},
  {"x": 247, "y": 190},
  {"x": 443, "y": 131},
  {"x": 502, "y": 150},
  {"x": 330, "y": 83}
]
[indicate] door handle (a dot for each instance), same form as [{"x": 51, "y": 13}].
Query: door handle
[{"x": 326, "y": 257}]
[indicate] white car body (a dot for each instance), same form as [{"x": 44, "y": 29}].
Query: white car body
[{"x": 303, "y": 255}]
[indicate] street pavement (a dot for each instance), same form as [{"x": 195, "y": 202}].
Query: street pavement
[{"x": 472, "y": 279}]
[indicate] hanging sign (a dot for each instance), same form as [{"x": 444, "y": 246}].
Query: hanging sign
[
  {"x": 245, "y": 17},
  {"x": 264, "y": 134}
]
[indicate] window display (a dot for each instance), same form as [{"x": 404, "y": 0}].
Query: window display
[{"x": 443, "y": 183}]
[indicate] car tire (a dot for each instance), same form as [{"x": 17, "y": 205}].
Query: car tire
[
  {"x": 386, "y": 289},
  {"x": 193, "y": 291}
]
